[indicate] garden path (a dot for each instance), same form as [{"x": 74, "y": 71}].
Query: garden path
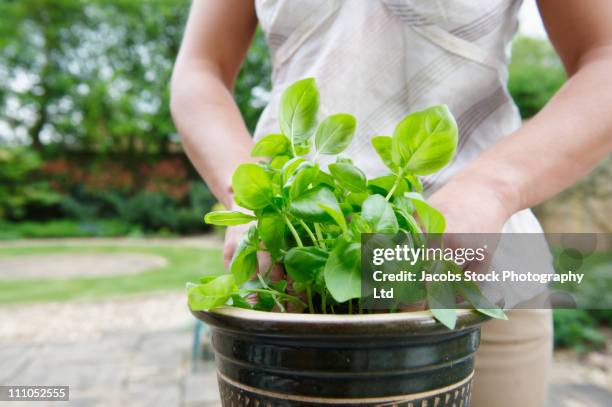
[{"x": 71, "y": 265}]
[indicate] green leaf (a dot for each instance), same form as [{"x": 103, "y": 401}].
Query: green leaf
[
  {"x": 304, "y": 175},
  {"x": 441, "y": 298},
  {"x": 206, "y": 279},
  {"x": 382, "y": 185},
  {"x": 298, "y": 110},
  {"x": 279, "y": 161},
  {"x": 342, "y": 271},
  {"x": 289, "y": 168},
  {"x": 471, "y": 292},
  {"x": 356, "y": 199},
  {"x": 382, "y": 145},
  {"x": 252, "y": 186},
  {"x": 349, "y": 177},
  {"x": 299, "y": 287},
  {"x": 240, "y": 302},
  {"x": 433, "y": 221},
  {"x": 325, "y": 178},
  {"x": 424, "y": 142},
  {"x": 408, "y": 222},
  {"x": 244, "y": 262},
  {"x": 272, "y": 230},
  {"x": 228, "y": 218},
  {"x": 271, "y": 146},
  {"x": 415, "y": 183},
  {"x": 280, "y": 286},
  {"x": 335, "y": 133},
  {"x": 308, "y": 205},
  {"x": 212, "y": 294},
  {"x": 302, "y": 263},
  {"x": 265, "y": 302},
  {"x": 404, "y": 203},
  {"x": 302, "y": 148},
  {"x": 344, "y": 159},
  {"x": 336, "y": 214},
  {"x": 379, "y": 215},
  {"x": 359, "y": 226}
]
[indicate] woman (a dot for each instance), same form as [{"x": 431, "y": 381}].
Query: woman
[{"x": 381, "y": 59}]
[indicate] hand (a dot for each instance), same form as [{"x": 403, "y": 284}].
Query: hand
[
  {"x": 475, "y": 214},
  {"x": 472, "y": 205},
  {"x": 233, "y": 235}
]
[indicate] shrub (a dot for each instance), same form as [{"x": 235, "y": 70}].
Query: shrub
[
  {"x": 20, "y": 193},
  {"x": 66, "y": 228},
  {"x": 535, "y": 74},
  {"x": 576, "y": 328}
]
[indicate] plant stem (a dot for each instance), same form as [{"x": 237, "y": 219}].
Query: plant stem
[
  {"x": 294, "y": 232},
  {"x": 310, "y": 234},
  {"x": 320, "y": 236},
  {"x": 324, "y": 302},
  {"x": 281, "y": 307},
  {"x": 309, "y": 295},
  {"x": 400, "y": 177},
  {"x": 350, "y": 310},
  {"x": 273, "y": 293}
]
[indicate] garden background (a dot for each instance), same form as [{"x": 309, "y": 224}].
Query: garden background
[{"x": 88, "y": 149}]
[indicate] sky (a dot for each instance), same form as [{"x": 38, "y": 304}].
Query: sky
[{"x": 530, "y": 21}]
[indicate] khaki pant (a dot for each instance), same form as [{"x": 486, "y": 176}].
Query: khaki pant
[{"x": 513, "y": 361}]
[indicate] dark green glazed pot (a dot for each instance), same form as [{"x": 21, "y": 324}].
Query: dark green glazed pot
[{"x": 405, "y": 359}]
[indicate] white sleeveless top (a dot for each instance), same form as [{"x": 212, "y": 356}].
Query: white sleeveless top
[{"x": 382, "y": 59}]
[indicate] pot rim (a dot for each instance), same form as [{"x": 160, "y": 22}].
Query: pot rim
[{"x": 277, "y": 323}]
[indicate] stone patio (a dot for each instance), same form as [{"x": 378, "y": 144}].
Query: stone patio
[
  {"x": 137, "y": 351},
  {"x": 143, "y": 361}
]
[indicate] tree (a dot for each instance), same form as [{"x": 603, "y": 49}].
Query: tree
[
  {"x": 35, "y": 37},
  {"x": 94, "y": 75}
]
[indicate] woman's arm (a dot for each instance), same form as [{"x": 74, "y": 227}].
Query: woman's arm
[
  {"x": 212, "y": 130},
  {"x": 557, "y": 147}
]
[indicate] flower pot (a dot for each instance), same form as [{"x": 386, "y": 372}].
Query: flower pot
[{"x": 400, "y": 359}]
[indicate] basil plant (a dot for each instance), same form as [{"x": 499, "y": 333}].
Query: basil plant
[{"x": 310, "y": 219}]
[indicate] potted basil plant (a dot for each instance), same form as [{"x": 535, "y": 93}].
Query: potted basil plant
[{"x": 310, "y": 220}]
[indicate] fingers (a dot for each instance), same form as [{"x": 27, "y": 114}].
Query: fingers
[
  {"x": 274, "y": 271},
  {"x": 228, "y": 252},
  {"x": 233, "y": 234}
]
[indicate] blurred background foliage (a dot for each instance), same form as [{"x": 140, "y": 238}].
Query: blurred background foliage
[
  {"x": 85, "y": 129},
  {"x": 87, "y": 144},
  {"x": 86, "y": 136},
  {"x": 535, "y": 74}
]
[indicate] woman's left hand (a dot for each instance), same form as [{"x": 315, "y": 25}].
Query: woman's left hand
[
  {"x": 475, "y": 214},
  {"x": 471, "y": 206}
]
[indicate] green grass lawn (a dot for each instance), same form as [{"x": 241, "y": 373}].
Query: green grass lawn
[{"x": 184, "y": 264}]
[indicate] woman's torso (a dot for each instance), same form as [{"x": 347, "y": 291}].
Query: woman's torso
[{"x": 382, "y": 59}]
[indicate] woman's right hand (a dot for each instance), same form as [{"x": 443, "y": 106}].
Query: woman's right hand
[{"x": 233, "y": 235}]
